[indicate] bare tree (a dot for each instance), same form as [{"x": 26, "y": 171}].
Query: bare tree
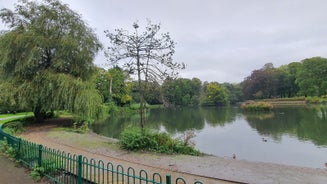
[{"x": 146, "y": 54}]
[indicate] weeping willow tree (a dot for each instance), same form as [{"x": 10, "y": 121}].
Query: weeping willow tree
[{"x": 46, "y": 57}]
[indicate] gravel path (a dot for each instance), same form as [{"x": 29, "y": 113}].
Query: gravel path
[{"x": 209, "y": 169}]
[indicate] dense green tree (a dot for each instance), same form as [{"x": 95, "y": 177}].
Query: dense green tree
[
  {"x": 181, "y": 92},
  {"x": 103, "y": 82},
  {"x": 216, "y": 94},
  {"x": 234, "y": 92},
  {"x": 7, "y": 97},
  {"x": 114, "y": 85},
  {"x": 47, "y": 56},
  {"x": 285, "y": 86},
  {"x": 312, "y": 77},
  {"x": 153, "y": 93},
  {"x": 293, "y": 68},
  {"x": 146, "y": 54},
  {"x": 120, "y": 86}
]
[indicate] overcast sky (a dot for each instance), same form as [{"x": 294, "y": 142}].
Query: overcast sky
[{"x": 218, "y": 40}]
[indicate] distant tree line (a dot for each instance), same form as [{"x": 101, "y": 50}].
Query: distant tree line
[
  {"x": 305, "y": 78},
  {"x": 116, "y": 86}
]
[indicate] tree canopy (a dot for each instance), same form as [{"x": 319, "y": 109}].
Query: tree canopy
[
  {"x": 47, "y": 56},
  {"x": 312, "y": 76},
  {"x": 305, "y": 78}
]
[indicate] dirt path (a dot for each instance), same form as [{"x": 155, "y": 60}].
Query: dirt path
[
  {"x": 208, "y": 169},
  {"x": 10, "y": 173}
]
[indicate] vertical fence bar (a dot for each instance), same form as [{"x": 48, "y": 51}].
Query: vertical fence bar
[
  {"x": 168, "y": 179},
  {"x": 19, "y": 148},
  {"x": 39, "y": 162},
  {"x": 79, "y": 169}
]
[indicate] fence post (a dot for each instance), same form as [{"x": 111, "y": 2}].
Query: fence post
[
  {"x": 39, "y": 161},
  {"x": 168, "y": 179},
  {"x": 79, "y": 169}
]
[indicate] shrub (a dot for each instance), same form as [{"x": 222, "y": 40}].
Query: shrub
[
  {"x": 49, "y": 166},
  {"x": 14, "y": 127},
  {"x": 134, "y": 139},
  {"x": 8, "y": 150},
  {"x": 81, "y": 127},
  {"x": 36, "y": 173}
]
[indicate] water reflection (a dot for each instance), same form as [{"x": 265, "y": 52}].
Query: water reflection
[
  {"x": 295, "y": 136},
  {"x": 219, "y": 116},
  {"x": 307, "y": 124},
  {"x": 304, "y": 123}
]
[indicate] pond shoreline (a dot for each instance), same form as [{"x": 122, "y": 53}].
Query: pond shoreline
[
  {"x": 205, "y": 168},
  {"x": 288, "y": 135}
]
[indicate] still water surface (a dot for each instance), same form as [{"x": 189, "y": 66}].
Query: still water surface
[{"x": 292, "y": 135}]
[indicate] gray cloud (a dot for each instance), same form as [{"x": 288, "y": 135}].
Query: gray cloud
[{"x": 219, "y": 40}]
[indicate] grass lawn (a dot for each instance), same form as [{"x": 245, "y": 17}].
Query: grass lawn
[{"x": 9, "y": 117}]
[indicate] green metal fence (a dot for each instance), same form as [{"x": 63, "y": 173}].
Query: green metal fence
[{"x": 67, "y": 168}]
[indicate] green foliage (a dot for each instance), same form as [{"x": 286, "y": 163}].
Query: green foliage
[
  {"x": 8, "y": 150},
  {"x": 37, "y": 173},
  {"x": 135, "y": 139},
  {"x": 46, "y": 56},
  {"x": 111, "y": 107},
  {"x": 81, "y": 127},
  {"x": 15, "y": 127},
  {"x": 215, "y": 94},
  {"x": 312, "y": 77},
  {"x": 234, "y": 92},
  {"x": 153, "y": 93},
  {"x": 113, "y": 85},
  {"x": 7, "y": 97},
  {"x": 181, "y": 92},
  {"x": 88, "y": 106},
  {"x": 49, "y": 166},
  {"x": 316, "y": 100}
]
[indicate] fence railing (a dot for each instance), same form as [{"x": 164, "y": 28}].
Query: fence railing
[{"x": 66, "y": 168}]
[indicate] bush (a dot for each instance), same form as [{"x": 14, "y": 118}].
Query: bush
[
  {"x": 36, "y": 173},
  {"x": 81, "y": 128},
  {"x": 14, "y": 127},
  {"x": 49, "y": 166},
  {"x": 134, "y": 139},
  {"x": 8, "y": 150}
]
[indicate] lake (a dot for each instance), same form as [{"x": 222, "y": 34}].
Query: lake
[{"x": 288, "y": 135}]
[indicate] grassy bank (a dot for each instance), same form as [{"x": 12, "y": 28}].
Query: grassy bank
[{"x": 11, "y": 117}]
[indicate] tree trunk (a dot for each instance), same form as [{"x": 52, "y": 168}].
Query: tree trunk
[
  {"x": 39, "y": 115},
  {"x": 110, "y": 87},
  {"x": 141, "y": 91}
]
